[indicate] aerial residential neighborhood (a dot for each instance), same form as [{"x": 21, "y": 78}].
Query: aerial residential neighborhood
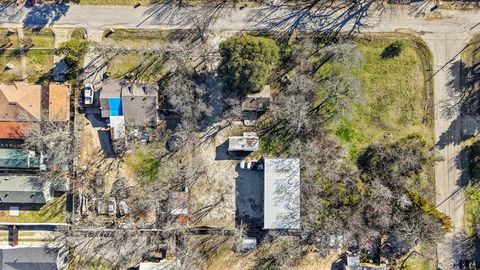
[{"x": 230, "y": 134}]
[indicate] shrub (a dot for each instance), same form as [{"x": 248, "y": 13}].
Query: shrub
[
  {"x": 247, "y": 61},
  {"x": 72, "y": 51},
  {"x": 393, "y": 50},
  {"x": 430, "y": 209},
  {"x": 475, "y": 160}
]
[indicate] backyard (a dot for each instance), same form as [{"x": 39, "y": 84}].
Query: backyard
[{"x": 53, "y": 211}]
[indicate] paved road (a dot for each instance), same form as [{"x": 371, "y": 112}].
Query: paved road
[{"x": 446, "y": 38}]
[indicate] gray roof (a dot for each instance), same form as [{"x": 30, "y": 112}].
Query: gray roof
[
  {"x": 22, "y": 189},
  {"x": 110, "y": 89},
  {"x": 139, "y": 101},
  {"x": 282, "y": 193},
  {"x": 140, "y": 105},
  {"x": 18, "y": 159},
  {"x": 259, "y": 101},
  {"x": 28, "y": 258}
]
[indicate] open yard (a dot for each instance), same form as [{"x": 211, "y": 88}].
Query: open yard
[
  {"x": 38, "y": 53},
  {"x": 397, "y": 95},
  {"x": 139, "y": 63},
  {"x": 53, "y": 211}
]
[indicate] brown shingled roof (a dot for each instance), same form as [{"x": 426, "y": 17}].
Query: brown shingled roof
[
  {"x": 58, "y": 102},
  {"x": 20, "y": 102}
]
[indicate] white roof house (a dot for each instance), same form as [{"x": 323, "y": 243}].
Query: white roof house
[
  {"x": 282, "y": 193},
  {"x": 249, "y": 142}
]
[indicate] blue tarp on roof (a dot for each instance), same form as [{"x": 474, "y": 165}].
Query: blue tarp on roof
[{"x": 115, "y": 105}]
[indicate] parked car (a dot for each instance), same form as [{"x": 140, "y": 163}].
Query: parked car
[
  {"x": 251, "y": 165},
  {"x": 88, "y": 94},
  {"x": 245, "y": 165},
  {"x": 112, "y": 206}
]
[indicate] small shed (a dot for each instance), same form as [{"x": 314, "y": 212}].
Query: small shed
[
  {"x": 254, "y": 105},
  {"x": 249, "y": 142},
  {"x": 258, "y": 102}
]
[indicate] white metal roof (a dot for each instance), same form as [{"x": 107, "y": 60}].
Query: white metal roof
[
  {"x": 282, "y": 193},
  {"x": 248, "y": 142}
]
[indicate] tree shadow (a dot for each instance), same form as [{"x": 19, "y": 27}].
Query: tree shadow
[
  {"x": 462, "y": 104},
  {"x": 328, "y": 18},
  {"x": 201, "y": 18},
  {"x": 45, "y": 15}
]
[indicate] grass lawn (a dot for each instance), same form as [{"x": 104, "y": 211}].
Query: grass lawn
[
  {"x": 39, "y": 62},
  {"x": 39, "y": 57},
  {"x": 149, "y": 68},
  {"x": 52, "y": 212},
  {"x": 10, "y": 75},
  {"x": 124, "y": 64},
  {"x": 397, "y": 100},
  {"x": 138, "y": 39},
  {"x": 44, "y": 38},
  {"x": 13, "y": 38},
  {"x": 143, "y": 164}
]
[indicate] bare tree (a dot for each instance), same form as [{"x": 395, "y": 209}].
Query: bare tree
[
  {"x": 294, "y": 105},
  {"x": 187, "y": 98},
  {"x": 54, "y": 141}
]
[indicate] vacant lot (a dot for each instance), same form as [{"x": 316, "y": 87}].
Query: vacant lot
[
  {"x": 38, "y": 52},
  {"x": 397, "y": 95},
  {"x": 139, "y": 63}
]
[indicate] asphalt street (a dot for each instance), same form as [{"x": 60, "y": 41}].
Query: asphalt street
[{"x": 446, "y": 33}]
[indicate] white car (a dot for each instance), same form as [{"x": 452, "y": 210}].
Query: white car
[
  {"x": 88, "y": 93},
  {"x": 246, "y": 165}
]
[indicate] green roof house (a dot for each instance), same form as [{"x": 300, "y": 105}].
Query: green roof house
[{"x": 18, "y": 159}]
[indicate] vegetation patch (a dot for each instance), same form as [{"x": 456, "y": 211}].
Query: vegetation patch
[
  {"x": 144, "y": 164},
  {"x": 73, "y": 52},
  {"x": 397, "y": 98},
  {"x": 137, "y": 39},
  {"x": 78, "y": 33},
  {"x": 39, "y": 63},
  {"x": 246, "y": 62},
  {"x": 11, "y": 58},
  {"x": 53, "y": 211},
  {"x": 43, "y": 38}
]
